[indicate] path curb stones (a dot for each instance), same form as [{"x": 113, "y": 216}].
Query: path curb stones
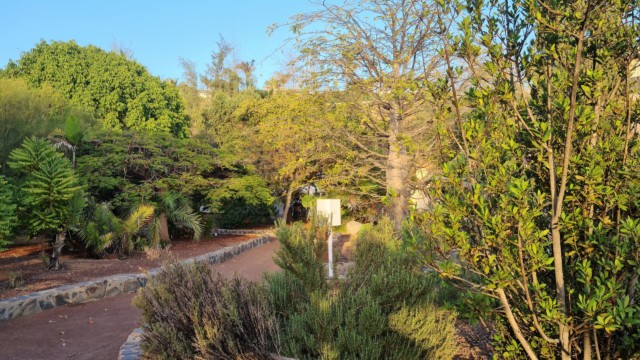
[{"x": 109, "y": 286}]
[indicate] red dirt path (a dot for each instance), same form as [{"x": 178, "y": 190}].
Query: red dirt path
[
  {"x": 96, "y": 330},
  {"x": 26, "y": 262}
]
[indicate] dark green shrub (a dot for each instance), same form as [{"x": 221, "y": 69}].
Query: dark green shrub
[
  {"x": 302, "y": 253},
  {"x": 189, "y": 311},
  {"x": 237, "y": 213},
  {"x": 241, "y": 201},
  {"x": 382, "y": 310},
  {"x": 8, "y": 217}
]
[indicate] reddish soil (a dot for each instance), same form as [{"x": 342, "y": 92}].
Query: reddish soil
[
  {"x": 474, "y": 342},
  {"x": 22, "y": 269},
  {"x": 95, "y": 330}
]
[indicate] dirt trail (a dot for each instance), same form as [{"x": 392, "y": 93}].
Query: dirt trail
[{"x": 96, "y": 330}]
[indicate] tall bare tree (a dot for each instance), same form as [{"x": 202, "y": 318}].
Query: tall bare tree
[{"x": 377, "y": 57}]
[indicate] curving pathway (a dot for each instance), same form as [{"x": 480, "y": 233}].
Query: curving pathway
[{"x": 96, "y": 330}]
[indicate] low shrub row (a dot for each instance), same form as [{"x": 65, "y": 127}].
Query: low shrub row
[{"x": 382, "y": 309}]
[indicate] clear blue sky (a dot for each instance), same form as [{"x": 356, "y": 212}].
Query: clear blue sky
[{"x": 157, "y": 32}]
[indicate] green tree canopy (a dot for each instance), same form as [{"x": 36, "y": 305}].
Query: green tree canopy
[
  {"x": 288, "y": 142},
  {"x": 26, "y": 111},
  {"x": 127, "y": 169},
  {"x": 119, "y": 91},
  {"x": 379, "y": 57}
]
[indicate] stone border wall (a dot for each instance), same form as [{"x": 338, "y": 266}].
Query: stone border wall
[
  {"x": 131, "y": 349},
  {"x": 110, "y": 286},
  {"x": 217, "y": 232}
]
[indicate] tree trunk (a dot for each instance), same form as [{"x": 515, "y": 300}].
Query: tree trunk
[
  {"x": 164, "y": 228},
  {"x": 287, "y": 204},
  {"x": 587, "y": 346},
  {"x": 54, "y": 260},
  {"x": 397, "y": 174},
  {"x": 563, "y": 328}
]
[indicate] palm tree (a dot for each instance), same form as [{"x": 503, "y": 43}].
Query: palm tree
[
  {"x": 247, "y": 68},
  {"x": 175, "y": 208},
  {"x": 102, "y": 230},
  {"x": 70, "y": 137},
  {"x": 277, "y": 82}
]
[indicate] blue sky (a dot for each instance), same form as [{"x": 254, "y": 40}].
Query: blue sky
[{"x": 157, "y": 32}]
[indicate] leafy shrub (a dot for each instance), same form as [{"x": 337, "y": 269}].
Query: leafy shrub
[
  {"x": 238, "y": 213},
  {"x": 383, "y": 310},
  {"x": 241, "y": 202},
  {"x": 7, "y": 212},
  {"x": 302, "y": 252},
  {"x": 430, "y": 328},
  {"x": 16, "y": 279},
  {"x": 189, "y": 311}
]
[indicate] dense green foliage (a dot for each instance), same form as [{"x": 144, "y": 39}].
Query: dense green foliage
[
  {"x": 8, "y": 217},
  {"x": 241, "y": 201},
  {"x": 540, "y": 211},
  {"x": 382, "y": 310},
  {"x": 103, "y": 232},
  {"x": 48, "y": 186},
  {"x": 118, "y": 91},
  {"x": 519, "y": 119},
  {"x": 190, "y": 311},
  {"x": 130, "y": 168},
  {"x": 26, "y": 112}
]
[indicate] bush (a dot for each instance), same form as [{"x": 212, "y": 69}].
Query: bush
[
  {"x": 7, "y": 213},
  {"x": 189, "y": 311},
  {"x": 301, "y": 253},
  {"x": 430, "y": 328},
  {"x": 383, "y": 309},
  {"x": 238, "y": 213}
]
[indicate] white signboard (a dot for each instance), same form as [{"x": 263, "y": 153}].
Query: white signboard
[{"x": 330, "y": 208}]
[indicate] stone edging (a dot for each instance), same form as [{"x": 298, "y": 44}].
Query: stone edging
[
  {"x": 131, "y": 349},
  {"x": 217, "y": 232},
  {"x": 110, "y": 286}
]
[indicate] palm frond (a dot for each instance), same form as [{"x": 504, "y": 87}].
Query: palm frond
[
  {"x": 185, "y": 216},
  {"x": 138, "y": 218}
]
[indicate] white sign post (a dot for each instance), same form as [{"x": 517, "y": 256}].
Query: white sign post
[{"x": 330, "y": 208}]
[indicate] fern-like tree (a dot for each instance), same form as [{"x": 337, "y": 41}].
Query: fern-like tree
[
  {"x": 50, "y": 194},
  {"x": 7, "y": 212}
]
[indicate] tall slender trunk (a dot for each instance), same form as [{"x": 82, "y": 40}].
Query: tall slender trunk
[
  {"x": 287, "y": 203},
  {"x": 164, "y": 229},
  {"x": 397, "y": 173},
  {"x": 58, "y": 244},
  {"x": 587, "y": 346}
]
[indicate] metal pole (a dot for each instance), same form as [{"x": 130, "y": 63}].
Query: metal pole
[{"x": 330, "y": 252}]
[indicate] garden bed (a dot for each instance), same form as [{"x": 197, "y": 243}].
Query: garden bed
[{"x": 22, "y": 269}]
